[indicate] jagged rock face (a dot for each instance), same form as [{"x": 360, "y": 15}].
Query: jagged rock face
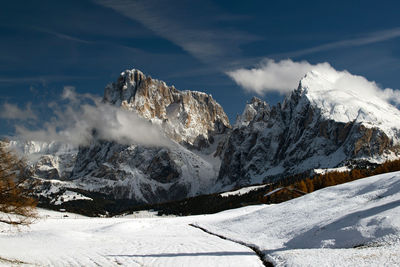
[
  {"x": 146, "y": 174},
  {"x": 186, "y": 116},
  {"x": 250, "y": 111},
  {"x": 298, "y": 136}
]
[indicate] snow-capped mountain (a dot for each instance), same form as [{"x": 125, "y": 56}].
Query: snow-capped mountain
[
  {"x": 186, "y": 166},
  {"x": 194, "y": 122},
  {"x": 319, "y": 125}
]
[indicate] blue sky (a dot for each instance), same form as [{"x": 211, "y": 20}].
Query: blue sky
[{"x": 47, "y": 45}]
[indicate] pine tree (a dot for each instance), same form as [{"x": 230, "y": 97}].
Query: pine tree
[{"x": 17, "y": 207}]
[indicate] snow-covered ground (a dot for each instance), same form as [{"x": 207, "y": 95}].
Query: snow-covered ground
[
  {"x": 69, "y": 196},
  {"x": 354, "y": 224},
  {"x": 81, "y": 241},
  {"x": 242, "y": 191},
  {"x": 338, "y": 169}
]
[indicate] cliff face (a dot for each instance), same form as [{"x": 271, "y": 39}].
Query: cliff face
[
  {"x": 186, "y": 116},
  {"x": 309, "y": 130}
]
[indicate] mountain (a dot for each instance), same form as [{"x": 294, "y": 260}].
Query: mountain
[
  {"x": 187, "y": 116},
  {"x": 186, "y": 166},
  {"x": 318, "y": 126},
  {"x": 193, "y": 120}
]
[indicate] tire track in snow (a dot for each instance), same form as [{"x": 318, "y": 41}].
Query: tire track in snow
[{"x": 255, "y": 249}]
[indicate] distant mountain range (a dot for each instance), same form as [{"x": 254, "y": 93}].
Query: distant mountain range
[{"x": 316, "y": 126}]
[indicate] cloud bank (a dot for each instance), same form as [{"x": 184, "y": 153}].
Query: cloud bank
[
  {"x": 284, "y": 76},
  {"x": 84, "y": 117}
]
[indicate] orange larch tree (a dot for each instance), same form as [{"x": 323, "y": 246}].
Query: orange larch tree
[{"x": 17, "y": 207}]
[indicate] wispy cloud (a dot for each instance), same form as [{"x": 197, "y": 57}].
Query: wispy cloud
[
  {"x": 84, "y": 117},
  {"x": 62, "y": 35},
  {"x": 200, "y": 41},
  {"x": 13, "y": 112},
  {"x": 374, "y": 37},
  {"x": 43, "y": 79}
]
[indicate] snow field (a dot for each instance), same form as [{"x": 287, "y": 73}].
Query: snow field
[
  {"x": 357, "y": 223},
  {"x": 353, "y": 224},
  {"x": 81, "y": 241}
]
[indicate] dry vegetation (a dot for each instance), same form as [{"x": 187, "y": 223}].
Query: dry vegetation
[{"x": 17, "y": 207}]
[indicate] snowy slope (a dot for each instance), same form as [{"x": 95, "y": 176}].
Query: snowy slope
[
  {"x": 322, "y": 228},
  {"x": 242, "y": 191},
  {"x": 79, "y": 241},
  {"x": 350, "y": 103}
]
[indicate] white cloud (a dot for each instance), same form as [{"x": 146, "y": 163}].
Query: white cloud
[
  {"x": 392, "y": 96},
  {"x": 272, "y": 76},
  {"x": 284, "y": 76},
  {"x": 13, "y": 112},
  {"x": 83, "y": 115}
]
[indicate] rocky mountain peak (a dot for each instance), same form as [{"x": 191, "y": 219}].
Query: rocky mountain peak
[
  {"x": 250, "y": 111},
  {"x": 328, "y": 121},
  {"x": 340, "y": 99},
  {"x": 186, "y": 116}
]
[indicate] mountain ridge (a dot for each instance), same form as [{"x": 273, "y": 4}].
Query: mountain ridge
[
  {"x": 298, "y": 135},
  {"x": 207, "y": 154}
]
